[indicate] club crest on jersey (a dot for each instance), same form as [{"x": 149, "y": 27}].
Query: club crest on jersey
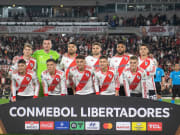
[
  {"x": 27, "y": 78},
  {"x": 87, "y": 74},
  {"x": 146, "y": 63},
  {"x": 138, "y": 77},
  {"x": 126, "y": 58},
  {"x": 110, "y": 76},
  {"x": 31, "y": 65},
  {"x": 57, "y": 79},
  {"x": 51, "y": 56}
]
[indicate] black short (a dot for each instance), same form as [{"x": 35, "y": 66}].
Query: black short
[
  {"x": 176, "y": 90},
  {"x": 122, "y": 91},
  {"x": 158, "y": 88},
  {"x": 86, "y": 95},
  {"x": 136, "y": 95},
  {"x": 23, "y": 97},
  {"x": 70, "y": 91},
  {"x": 152, "y": 94}
]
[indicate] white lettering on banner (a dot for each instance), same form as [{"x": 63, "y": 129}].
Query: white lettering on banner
[
  {"x": 55, "y": 29},
  {"x": 157, "y": 30},
  {"x": 92, "y": 112}
]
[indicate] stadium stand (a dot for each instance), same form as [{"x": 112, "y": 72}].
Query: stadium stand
[
  {"x": 125, "y": 17},
  {"x": 164, "y": 49}
]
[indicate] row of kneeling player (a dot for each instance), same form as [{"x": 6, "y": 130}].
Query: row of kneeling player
[{"x": 83, "y": 80}]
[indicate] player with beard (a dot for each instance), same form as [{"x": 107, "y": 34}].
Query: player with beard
[
  {"x": 120, "y": 62},
  {"x": 68, "y": 61},
  {"x": 93, "y": 61}
]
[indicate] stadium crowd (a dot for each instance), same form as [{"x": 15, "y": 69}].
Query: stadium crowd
[
  {"x": 113, "y": 20},
  {"x": 141, "y": 20}
]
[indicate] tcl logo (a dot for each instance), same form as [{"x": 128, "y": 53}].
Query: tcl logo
[
  {"x": 154, "y": 126},
  {"x": 46, "y": 125}
]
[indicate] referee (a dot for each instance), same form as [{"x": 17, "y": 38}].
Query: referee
[
  {"x": 175, "y": 82},
  {"x": 159, "y": 81}
]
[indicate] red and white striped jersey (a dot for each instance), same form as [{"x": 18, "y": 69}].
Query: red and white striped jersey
[
  {"x": 92, "y": 62},
  {"x": 155, "y": 62},
  {"x": 135, "y": 83},
  {"x": 54, "y": 85},
  {"x": 106, "y": 83},
  {"x": 31, "y": 64},
  {"x": 150, "y": 67},
  {"x": 83, "y": 81},
  {"x": 66, "y": 64},
  {"x": 26, "y": 85},
  {"x": 120, "y": 63}
]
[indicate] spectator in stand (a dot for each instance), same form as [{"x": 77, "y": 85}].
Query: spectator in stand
[{"x": 165, "y": 49}]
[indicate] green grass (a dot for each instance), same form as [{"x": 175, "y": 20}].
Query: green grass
[
  {"x": 177, "y": 101},
  {"x": 3, "y": 101}
]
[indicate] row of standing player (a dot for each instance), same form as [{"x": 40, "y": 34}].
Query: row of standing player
[{"x": 120, "y": 62}]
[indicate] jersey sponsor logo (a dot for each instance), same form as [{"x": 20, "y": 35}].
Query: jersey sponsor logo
[
  {"x": 27, "y": 78},
  {"x": 92, "y": 125},
  {"x": 110, "y": 76},
  {"x": 135, "y": 81},
  {"x": 107, "y": 80},
  {"x": 123, "y": 126},
  {"x": 31, "y": 65},
  {"x": 77, "y": 125},
  {"x": 31, "y": 125},
  {"x": 123, "y": 64},
  {"x": 84, "y": 80},
  {"x": 126, "y": 58},
  {"x": 154, "y": 126},
  {"x": 61, "y": 125},
  {"x": 54, "y": 83},
  {"x": 46, "y": 125},
  {"x": 87, "y": 74},
  {"x": 138, "y": 77},
  {"x": 107, "y": 126},
  {"x": 25, "y": 82},
  {"x": 73, "y": 63},
  {"x": 138, "y": 126},
  {"x": 96, "y": 65}
]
